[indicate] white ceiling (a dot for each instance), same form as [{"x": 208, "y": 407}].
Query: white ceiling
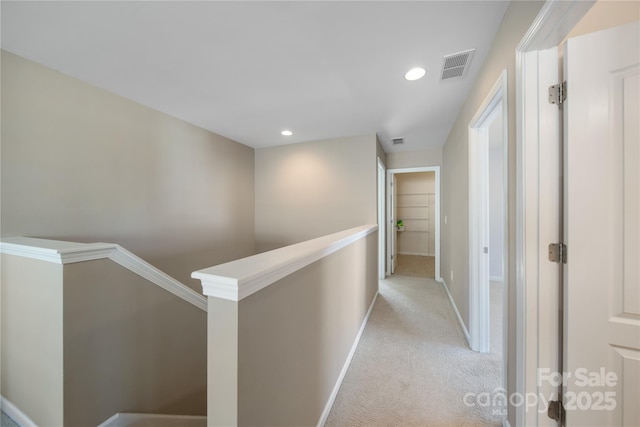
[{"x": 248, "y": 70}]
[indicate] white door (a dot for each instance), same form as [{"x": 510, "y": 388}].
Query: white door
[{"x": 602, "y": 233}]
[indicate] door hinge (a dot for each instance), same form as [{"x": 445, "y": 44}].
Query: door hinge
[
  {"x": 556, "y": 411},
  {"x": 558, "y": 93},
  {"x": 558, "y": 253}
]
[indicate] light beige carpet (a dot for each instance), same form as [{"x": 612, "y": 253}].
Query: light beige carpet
[
  {"x": 416, "y": 266},
  {"x": 413, "y": 367}
]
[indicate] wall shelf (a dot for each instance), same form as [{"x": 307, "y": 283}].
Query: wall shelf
[{"x": 415, "y": 203}]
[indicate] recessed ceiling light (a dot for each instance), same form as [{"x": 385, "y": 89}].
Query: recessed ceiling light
[
  {"x": 415, "y": 73},
  {"x": 286, "y": 133}
]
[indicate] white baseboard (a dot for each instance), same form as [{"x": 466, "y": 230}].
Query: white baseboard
[
  {"x": 455, "y": 309},
  {"x": 15, "y": 413},
  {"x": 345, "y": 368},
  {"x": 496, "y": 278},
  {"x": 415, "y": 253},
  {"x": 155, "y": 420}
]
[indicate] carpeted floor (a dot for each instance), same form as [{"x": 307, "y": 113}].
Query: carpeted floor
[
  {"x": 416, "y": 266},
  {"x": 5, "y": 421},
  {"x": 413, "y": 367}
]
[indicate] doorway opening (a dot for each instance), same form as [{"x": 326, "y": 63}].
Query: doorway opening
[
  {"x": 413, "y": 234},
  {"x": 488, "y": 240}
]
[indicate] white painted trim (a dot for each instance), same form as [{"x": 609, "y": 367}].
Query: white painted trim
[
  {"x": 479, "y": 323},
  {"x": 552, "y": 25},
  {"x": 142, "y": 268},
  {"x": 415, "y": 253},
  {"x": 55, "y": 251},
  {"x": 345, "y": 368},
  {"x": 60, "y": 252},
  {"x": 238, "y": 279},
  {"x": 15, "y": 413},
  {"x": 382, "y": 218},
  {"x": 436, "y": 170},
  {"x": 130, "y": 419},
  {"x": 455, "y": 309}
]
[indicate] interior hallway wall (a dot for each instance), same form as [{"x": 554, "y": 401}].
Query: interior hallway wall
[
  {"x": 455, "y": 172},
  {"x": 311, "y": 189},
  {"x": 83, "y": 164},
  {"x": 414, "y": 159}
]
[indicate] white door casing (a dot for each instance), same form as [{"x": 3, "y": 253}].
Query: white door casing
[
  {"x": 382, "y": 221},
  {"x": 393, "y": 231},
  {"x": 479, "y": 313},
  {"x": 602, "y": 232},
  {"x": 538, "y": 207},
  {"x": 392, "y": 215}
]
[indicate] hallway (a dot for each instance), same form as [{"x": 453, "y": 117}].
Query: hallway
[
  {"x": 413, "y": 367},
  {"x": 416, "y": 266}
]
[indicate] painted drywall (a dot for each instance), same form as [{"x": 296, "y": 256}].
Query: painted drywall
[
  {"x": 293, "y": 339},
  {"x": 414, "y": 159},
  {"x": 311, "y": 189},
  {"x": 84, "y": 341},
  {"x": 496, "y": 200},
  {"x": 382, "y": 155},
  {"x": 32, "y": 348},
  {"x": 455, "y": 176},
  {"x": 607, "y": 14},
  {"x": 83, "y": 164},
  {"x": 418, "y": 236},
  {"x": 129, "y": 346}
]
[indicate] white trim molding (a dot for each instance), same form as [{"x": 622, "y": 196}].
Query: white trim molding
[
  {"x": 61, "y": 252},
  {"x": 495, "y": 102},
  {"x": 238, "y": 279},
  {"x": 455, "y": 309},
  {"x": 390, "y": 229},
  {"x": 15, "y": 413},
  {"x": 536, "y": 50},
  {"x": 133, "y": 419},
  {"x": 345, "y": 368}
]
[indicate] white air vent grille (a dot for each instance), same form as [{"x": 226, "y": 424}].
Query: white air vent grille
[
  {"x": 456, "y": 64},
  {"x": 397, "y": 141}
]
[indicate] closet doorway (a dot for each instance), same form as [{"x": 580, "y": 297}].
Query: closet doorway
[{"x": 414, "y": 226}]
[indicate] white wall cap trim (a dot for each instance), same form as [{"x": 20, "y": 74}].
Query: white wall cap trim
[
  {"x": 56, "y": 251},
  {"x": 61, "y": 252},
  {"x": 238, "y": 279}
]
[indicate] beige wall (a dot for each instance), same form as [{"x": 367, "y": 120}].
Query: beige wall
[
  {"x": 414, "y": 159},
  {"x": 84, "y": 341},
  {"x": 129, "y": 346},
  {"x": 455, "y": 177},
  {"x": 83, "y": 164},
  {"x": 382, "y": 155},
  {"x": 308, "y": 190},
  {"x": 32, "y": 352},
  {"x": 293, "y": 338},
  {"x": 606, "y": 14}
]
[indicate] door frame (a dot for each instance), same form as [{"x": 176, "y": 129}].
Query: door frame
[
  {"x": 536, "y": 65},
  {"x": 382, "y": 219},
  {"x": 390, "y": 194},
  {"x": 495, "y": 102}
]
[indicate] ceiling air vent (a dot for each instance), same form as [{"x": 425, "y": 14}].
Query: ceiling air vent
[
  {"x": 397, "y": 141},
  {"x": 456, "y": 64}
]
